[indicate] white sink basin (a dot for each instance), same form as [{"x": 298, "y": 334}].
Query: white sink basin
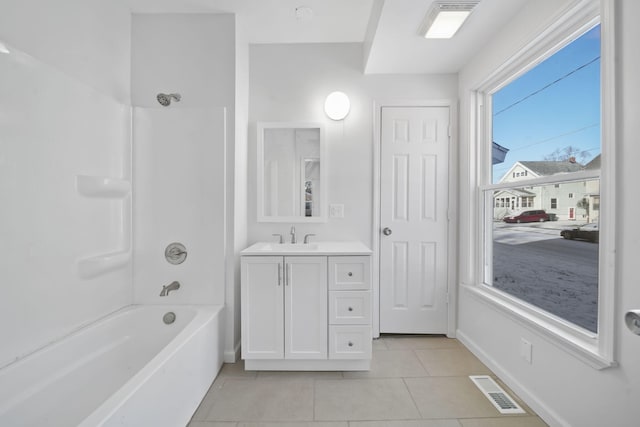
[
  {"x": 286, "y": 247},
  {"x": 315, "y": 248}
]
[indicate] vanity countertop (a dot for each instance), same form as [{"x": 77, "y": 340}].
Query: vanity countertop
[{"x": 314, "y": 248}]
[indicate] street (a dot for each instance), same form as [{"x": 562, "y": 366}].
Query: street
[{"x": 535, "y": 264}]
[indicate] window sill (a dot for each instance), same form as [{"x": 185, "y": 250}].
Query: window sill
[{"x": 575, "y": 341}]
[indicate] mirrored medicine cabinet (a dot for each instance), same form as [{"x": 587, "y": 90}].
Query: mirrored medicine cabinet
[{"x": 291, "y": 172}]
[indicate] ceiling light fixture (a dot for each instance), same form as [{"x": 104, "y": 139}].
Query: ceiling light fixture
[{"x": 444, "y": 18}]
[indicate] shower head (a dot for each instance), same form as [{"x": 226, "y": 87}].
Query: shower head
[{"x": 165, "y": 98}]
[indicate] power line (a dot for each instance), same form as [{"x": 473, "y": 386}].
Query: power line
[
  {"x": 571, "y": 132},
  {"x": 547, "y": 86}
]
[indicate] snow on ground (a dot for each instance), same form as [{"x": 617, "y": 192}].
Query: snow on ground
[{"x": 532, "y": 262}]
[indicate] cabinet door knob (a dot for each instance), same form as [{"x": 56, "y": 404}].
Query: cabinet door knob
[
  {"x": 349, "y": 274},
  {"x": 350, "y": 344},
  {"x": 350, "y": 309}
]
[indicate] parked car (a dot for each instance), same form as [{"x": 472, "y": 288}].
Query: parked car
[
  {"x": 588, "y": 232},
  {"x": 537, "y": 215}
]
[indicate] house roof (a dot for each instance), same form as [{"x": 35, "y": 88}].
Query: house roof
[
  {"x": 544, "y": 167},
  {"x": 498, "y": 153},
  {"x": 593, "y": 164}
]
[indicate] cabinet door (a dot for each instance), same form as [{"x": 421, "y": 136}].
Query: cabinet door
[
  {"x": 306, "y": 307},
  {"x": 262, "y": 307}
]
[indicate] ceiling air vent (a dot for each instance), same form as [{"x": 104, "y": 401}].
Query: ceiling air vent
[{"x": 496, "y": 395}]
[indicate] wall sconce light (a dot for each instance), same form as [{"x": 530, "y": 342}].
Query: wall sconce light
[
  {"x": 337, "y": 105},
  {"x": 444, "y": 18}
]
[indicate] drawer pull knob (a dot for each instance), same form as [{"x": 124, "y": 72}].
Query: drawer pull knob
[
  {"x": 349, "y": 274},
  {"x": 350, "y": 344},
  {"x": 350, "y": 308}
]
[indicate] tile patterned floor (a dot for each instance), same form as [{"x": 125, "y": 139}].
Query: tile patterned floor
[{"x": 413, "y": 382}]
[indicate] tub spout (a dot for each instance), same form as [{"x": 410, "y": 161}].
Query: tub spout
[{"x": 175, "y": 285}]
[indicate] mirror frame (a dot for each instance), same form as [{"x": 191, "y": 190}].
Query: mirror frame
[{"x": 261, "y": 127}]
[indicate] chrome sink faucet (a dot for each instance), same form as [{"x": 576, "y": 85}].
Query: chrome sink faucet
[
  {"x": 173, "y": 286},
  {"x": 293, "y": 234}
]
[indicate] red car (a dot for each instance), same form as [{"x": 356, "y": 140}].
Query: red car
[{"x": 537, "y": 215}]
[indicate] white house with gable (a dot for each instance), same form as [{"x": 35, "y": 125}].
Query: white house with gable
[{"x": 578, "y": 201}]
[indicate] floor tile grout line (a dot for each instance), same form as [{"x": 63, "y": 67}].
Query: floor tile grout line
[
  {"x": 422, "y": 364},
  {"x": 413, "y": 400}
]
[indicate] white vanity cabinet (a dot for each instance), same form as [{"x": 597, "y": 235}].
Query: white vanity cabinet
[
  {"x": 284, "y": 307},
  {"x": 306, "y": 312}
]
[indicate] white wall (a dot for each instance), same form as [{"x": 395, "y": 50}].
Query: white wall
[
  {"x": 290, "y": 83},
  {"x": 181, "y": 163},
  {"x": 61, "y": 115},
  {"x": 564, "y": 390}
]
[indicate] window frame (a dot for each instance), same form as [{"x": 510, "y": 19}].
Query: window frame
[{"x": 597, "y": 350}]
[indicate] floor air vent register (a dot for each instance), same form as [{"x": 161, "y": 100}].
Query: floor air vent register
[{"x": 496, "y": 395}]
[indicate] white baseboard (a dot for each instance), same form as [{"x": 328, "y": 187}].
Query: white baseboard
[
  {"x": 541, "y": 409},
  {"x": 232, "y": 356}
]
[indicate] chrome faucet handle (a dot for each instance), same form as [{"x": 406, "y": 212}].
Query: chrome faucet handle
[
  {"x": 293, "y": 234},
  {"x": 281, "y": 240},
  {"x": 307, "y": 237}
]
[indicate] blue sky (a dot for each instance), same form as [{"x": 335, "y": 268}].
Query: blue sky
[{"x": 566, "y": 113}]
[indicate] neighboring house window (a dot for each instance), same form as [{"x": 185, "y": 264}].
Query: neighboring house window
[{"x": 535, "y": 106}]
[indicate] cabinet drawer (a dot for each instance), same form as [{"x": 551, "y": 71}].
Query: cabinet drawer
[
  {"x": 350, "y": 342},
  {"x": 349, "y": 273},
  {"x": 350, "y": 307}
]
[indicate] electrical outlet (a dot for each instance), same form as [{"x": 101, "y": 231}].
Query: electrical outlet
[
  {"x": 336, "y": 211},
  {"x": 526, "y": 350}
]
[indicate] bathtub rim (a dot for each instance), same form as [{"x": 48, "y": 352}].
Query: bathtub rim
[{"x": 204, "y": 315}]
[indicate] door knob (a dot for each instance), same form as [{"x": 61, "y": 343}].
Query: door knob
[{"x": 386, "y": 231}]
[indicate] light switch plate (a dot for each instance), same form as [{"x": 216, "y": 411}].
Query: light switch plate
[{"x": 336, "y": 211}]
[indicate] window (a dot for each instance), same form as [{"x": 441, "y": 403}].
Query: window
[
  {"x": 545, "y": 107},
  {"x": 559, "y": 96}
]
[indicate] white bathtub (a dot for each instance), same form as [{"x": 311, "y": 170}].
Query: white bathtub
[{"x": 128, "y": 369}]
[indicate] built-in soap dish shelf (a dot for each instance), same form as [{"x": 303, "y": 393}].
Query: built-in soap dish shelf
[
  {"x": 102, "y": 186},
  {"x": 99, "y": 265}
]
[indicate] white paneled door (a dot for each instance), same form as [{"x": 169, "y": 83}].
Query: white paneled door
[{"x": 413, "y": 217}]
